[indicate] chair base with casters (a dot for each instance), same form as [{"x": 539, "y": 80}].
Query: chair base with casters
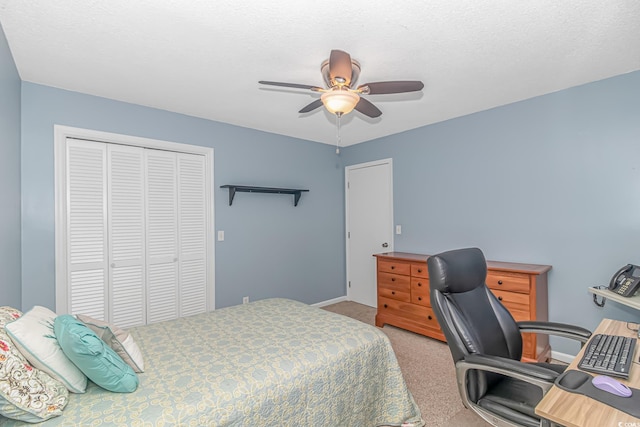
[{"x": 486, "y": 342}]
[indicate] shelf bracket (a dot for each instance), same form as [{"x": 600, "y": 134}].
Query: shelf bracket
[{"x": 232, "y": 194}]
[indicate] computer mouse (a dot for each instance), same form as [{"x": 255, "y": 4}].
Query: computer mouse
[{"x": 611, "y": 385}]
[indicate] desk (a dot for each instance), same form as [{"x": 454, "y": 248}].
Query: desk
[{"x": 576, "y": 410}]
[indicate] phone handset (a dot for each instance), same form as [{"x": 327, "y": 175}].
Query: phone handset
[
  {"x": 626, "y": 281},
  {"x": 618, "y": 278}
]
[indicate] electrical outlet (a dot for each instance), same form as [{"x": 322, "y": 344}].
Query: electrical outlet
[{"x": 245, "y": 300}]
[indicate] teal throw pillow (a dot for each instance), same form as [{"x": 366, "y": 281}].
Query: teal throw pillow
[{"x": 93, "y": 356}]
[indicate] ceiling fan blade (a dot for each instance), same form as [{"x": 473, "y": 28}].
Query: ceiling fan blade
[
  {"x": 367, "y": 108},
  {"x": 294, "y": 85},
  {"x": 315, "y": 104},
  {"x": 340, "y": 67},
  {"x": 379, "y": 88}
]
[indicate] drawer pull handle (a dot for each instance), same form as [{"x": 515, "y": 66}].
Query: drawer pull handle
[
  {"x": 393, "y": 267},
  {"x": 499, "y": 282},
  {"x": 419, "y": 270},
  {"x": 419, "y": 284},
  {"x": 393, "y": 279},
  {"x": 429, "y": 317},
  {"x": 499, "y": 298},
  {"x": 393, "y": 292},
  {"x": 385, "y": 306},
  {"x": 419, "y": 298}
]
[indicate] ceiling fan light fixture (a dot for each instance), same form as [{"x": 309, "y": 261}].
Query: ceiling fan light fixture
[{"x": 340, "y": 101}]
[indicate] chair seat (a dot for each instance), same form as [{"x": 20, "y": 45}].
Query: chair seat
[{"x": 516, "y": 400}]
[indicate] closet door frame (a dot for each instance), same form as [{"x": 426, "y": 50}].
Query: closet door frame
[{"x": 61, "y": 133}]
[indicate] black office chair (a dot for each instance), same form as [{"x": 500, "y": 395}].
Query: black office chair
[{"x": 486, "y": 342}]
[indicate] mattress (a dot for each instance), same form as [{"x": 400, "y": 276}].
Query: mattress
[{"x": 273, "y": 362}]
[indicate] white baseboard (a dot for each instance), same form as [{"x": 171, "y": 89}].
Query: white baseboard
[
  {"x": 563, "y": 357},
  {"x": 329, "y": 302}
]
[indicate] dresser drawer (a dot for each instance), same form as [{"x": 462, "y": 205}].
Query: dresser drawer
[
  {"x": 420, "y": 291},
  {"x": 519, "y": 315},
  {"x": 394, "y": 281},
  {"x": 394, "y": 267},
  {"x": 419, "y": 270},
  {"x": 513, "y": 282},
  {"x": 513, "y": 301},
  {"x": 417, "y": 313},
  {"x": 394, "y": 294}
]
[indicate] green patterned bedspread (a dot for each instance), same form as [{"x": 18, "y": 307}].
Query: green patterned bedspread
[{"x": 274, "y": 362}]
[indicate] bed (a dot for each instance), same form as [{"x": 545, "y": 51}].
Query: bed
[{"x": 273, "y": 362}]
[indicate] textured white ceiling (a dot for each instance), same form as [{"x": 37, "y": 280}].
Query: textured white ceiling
[{"x": 204, "y": 58}]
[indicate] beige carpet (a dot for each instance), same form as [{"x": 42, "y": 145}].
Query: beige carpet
[{"x": 427, "y": 368}]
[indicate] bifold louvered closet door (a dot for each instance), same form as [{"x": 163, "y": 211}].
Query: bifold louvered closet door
[{"x": 136, "y": 233}]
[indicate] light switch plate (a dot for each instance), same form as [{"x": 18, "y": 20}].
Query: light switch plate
[{"x": 220, "y": 235}]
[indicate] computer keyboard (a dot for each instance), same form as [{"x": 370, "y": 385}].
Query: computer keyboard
[{"x": 610, "y": 355}]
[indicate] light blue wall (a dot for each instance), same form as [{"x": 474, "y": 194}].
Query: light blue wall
[
  {"x": 551, "y": 180},
  {"x": 9, "y": 178},
  {"x": 271, "y": 248}
]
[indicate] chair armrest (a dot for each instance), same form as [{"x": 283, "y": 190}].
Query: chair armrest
[
  {"x": 510, "y": 367},
  {"x": 553, "y": 328}
]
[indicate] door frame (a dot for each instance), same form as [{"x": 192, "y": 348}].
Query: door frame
[
  {"x": 61, "y": 133},
  {"x": 348, "y": 169}
]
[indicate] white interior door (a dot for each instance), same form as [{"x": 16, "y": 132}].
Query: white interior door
[
  {"x": 369, "y": 217},
  {"x": 162, "y": 236},
  {"x": 192, "y": 233},
  {"x": 126, "y": 212},
  {"x": 86, "y": 250}
]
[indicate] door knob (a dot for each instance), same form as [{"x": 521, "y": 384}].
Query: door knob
[{"x": 385, "y": 245}]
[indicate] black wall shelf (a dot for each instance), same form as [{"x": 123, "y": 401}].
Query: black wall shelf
[{"x": 251, "y": 189}]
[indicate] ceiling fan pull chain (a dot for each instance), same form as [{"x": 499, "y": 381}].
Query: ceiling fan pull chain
[{"x": 338, "y": 116}]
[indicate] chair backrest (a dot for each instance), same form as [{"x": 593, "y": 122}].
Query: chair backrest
[{"x": 471, "y": 317}]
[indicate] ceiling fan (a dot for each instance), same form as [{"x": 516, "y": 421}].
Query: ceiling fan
[{"x": 340, "y": 74}]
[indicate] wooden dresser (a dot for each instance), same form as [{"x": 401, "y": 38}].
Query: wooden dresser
[{"x": 403, "y": 296}]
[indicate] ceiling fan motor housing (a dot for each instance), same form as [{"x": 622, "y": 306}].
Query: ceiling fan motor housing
[{"x": 355, "y": 73}]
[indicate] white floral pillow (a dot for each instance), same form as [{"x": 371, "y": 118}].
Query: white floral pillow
[
  {"x": 26, "y": 393},
  {"x": 32, "y": 333}
]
